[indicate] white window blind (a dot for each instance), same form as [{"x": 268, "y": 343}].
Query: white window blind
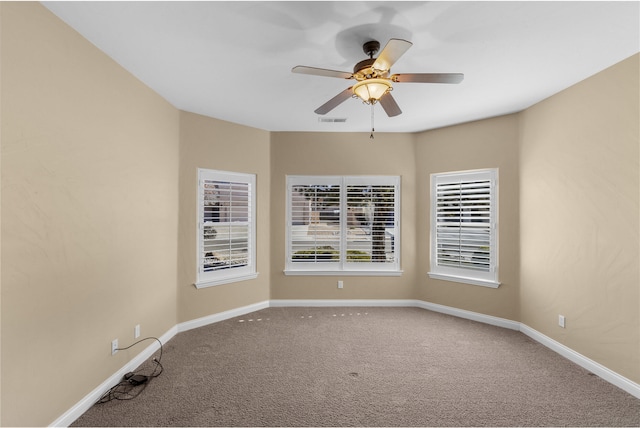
[
  {"x": 342, "y": 224},
  {"x": 226, "y": 224},
  {"x": 464, "y": 226}
]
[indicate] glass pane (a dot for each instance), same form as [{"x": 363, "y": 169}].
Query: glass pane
[
  {"x": 315, "y": 223},
  {"x": 370, "y": 223}
]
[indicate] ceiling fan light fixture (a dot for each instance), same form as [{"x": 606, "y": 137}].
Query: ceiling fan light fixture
[
  {"x": 371, "y": 90},
  {"x": 373, "y": 77}
]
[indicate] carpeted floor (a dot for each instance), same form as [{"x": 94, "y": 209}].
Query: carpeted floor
[{"x": 365, "y": 367}]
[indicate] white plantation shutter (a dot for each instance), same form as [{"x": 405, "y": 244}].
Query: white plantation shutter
[
  {"x": 464, "y": 226},
  {"x": 342, "y": 224},
  {"x": 226, "y": 224},
  {"x": 371, "y": 210},
  {"x": 315, "y": 221}
]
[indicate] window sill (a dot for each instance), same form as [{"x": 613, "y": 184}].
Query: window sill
[
  {"x": 344, "y": 272},
  {"x": 465, "y": 280},
  {"x": 227, "y": 280}
]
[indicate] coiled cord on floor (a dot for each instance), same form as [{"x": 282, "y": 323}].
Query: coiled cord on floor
[{"x": 127, "y": 389}]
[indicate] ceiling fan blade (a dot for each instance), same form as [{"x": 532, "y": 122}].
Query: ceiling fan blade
[
  {"x": 389, "y": 105},
  {"x": 392, "y": 51},
  {"x": 334, "y": 102},
  {"x": 428, "y": 77},
  {"x": 321, "y": 72}
]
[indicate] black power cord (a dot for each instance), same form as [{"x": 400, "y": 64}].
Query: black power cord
[{"x": 133, "y": 384}]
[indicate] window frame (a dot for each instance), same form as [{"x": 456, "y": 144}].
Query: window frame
[
  {"x": 343, "y": 267},
  {"x": 231, "y": 274},
  {"x": 460, "y": 274}
]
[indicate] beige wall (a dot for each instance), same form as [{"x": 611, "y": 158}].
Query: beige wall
[
  {"x": 342, "y": 154},
  {"x": 579, "y": 191},
  {"x": 491, "y": 143},
  {"x": 89, "y": 215},
  {"x": 215, "y": 144}
]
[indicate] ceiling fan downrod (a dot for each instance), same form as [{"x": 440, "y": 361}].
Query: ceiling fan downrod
[{"x": 371, "y": 48}]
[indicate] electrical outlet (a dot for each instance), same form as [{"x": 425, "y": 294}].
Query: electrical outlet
[
  {"x": 561, "y": 320},
  {"x": 340, "y": 284},
  {"x": 136, "y": 331},
  {"x": 114, "y": 346}
]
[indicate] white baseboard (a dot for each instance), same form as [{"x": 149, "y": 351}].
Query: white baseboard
[
  {"x": 460, "y": 313},
  {"x": 609, "y": 375},
  {"x": 221, "y": 316},
  {"x": 90, "y": 399},
  {"x": 473, "y": 316},
  {"x": 596, "y": 368},
  {"x": 341, "y": 303}
]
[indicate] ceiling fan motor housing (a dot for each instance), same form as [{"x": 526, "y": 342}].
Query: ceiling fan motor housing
[{"x": 364, "y": 70}]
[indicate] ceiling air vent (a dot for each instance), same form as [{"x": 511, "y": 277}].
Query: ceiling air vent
[{"x": 332, "y": 119}]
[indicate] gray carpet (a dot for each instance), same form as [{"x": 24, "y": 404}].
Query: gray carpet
[{"x": 365, "y": 367}]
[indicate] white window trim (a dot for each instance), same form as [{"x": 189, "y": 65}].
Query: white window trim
[
  {"x": 363, "y": 272},
  {"x": 461, "y": 275},
  {"x": 343, "y": 268},
  {"x": 226, "y": 276},
  {"x": 227, "y": 280}
]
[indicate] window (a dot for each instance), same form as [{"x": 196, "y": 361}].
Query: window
[
  {"x": 226, "y": 227},
  {"x": 464, "y": 227},
  {"x": 343, "y": 225}
]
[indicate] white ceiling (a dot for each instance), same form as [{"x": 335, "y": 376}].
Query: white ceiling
[{"x": 233, "y": 60}]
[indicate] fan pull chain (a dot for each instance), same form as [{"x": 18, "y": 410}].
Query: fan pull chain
[{"x": 372, "y": 129}]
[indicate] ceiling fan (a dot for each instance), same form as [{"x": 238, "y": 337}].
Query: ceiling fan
[{"x": 374, "y": 81}]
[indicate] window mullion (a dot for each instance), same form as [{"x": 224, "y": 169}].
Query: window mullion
[
  {"x": 460, "y": 214},
  {"x": 343, "y": 222}
]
